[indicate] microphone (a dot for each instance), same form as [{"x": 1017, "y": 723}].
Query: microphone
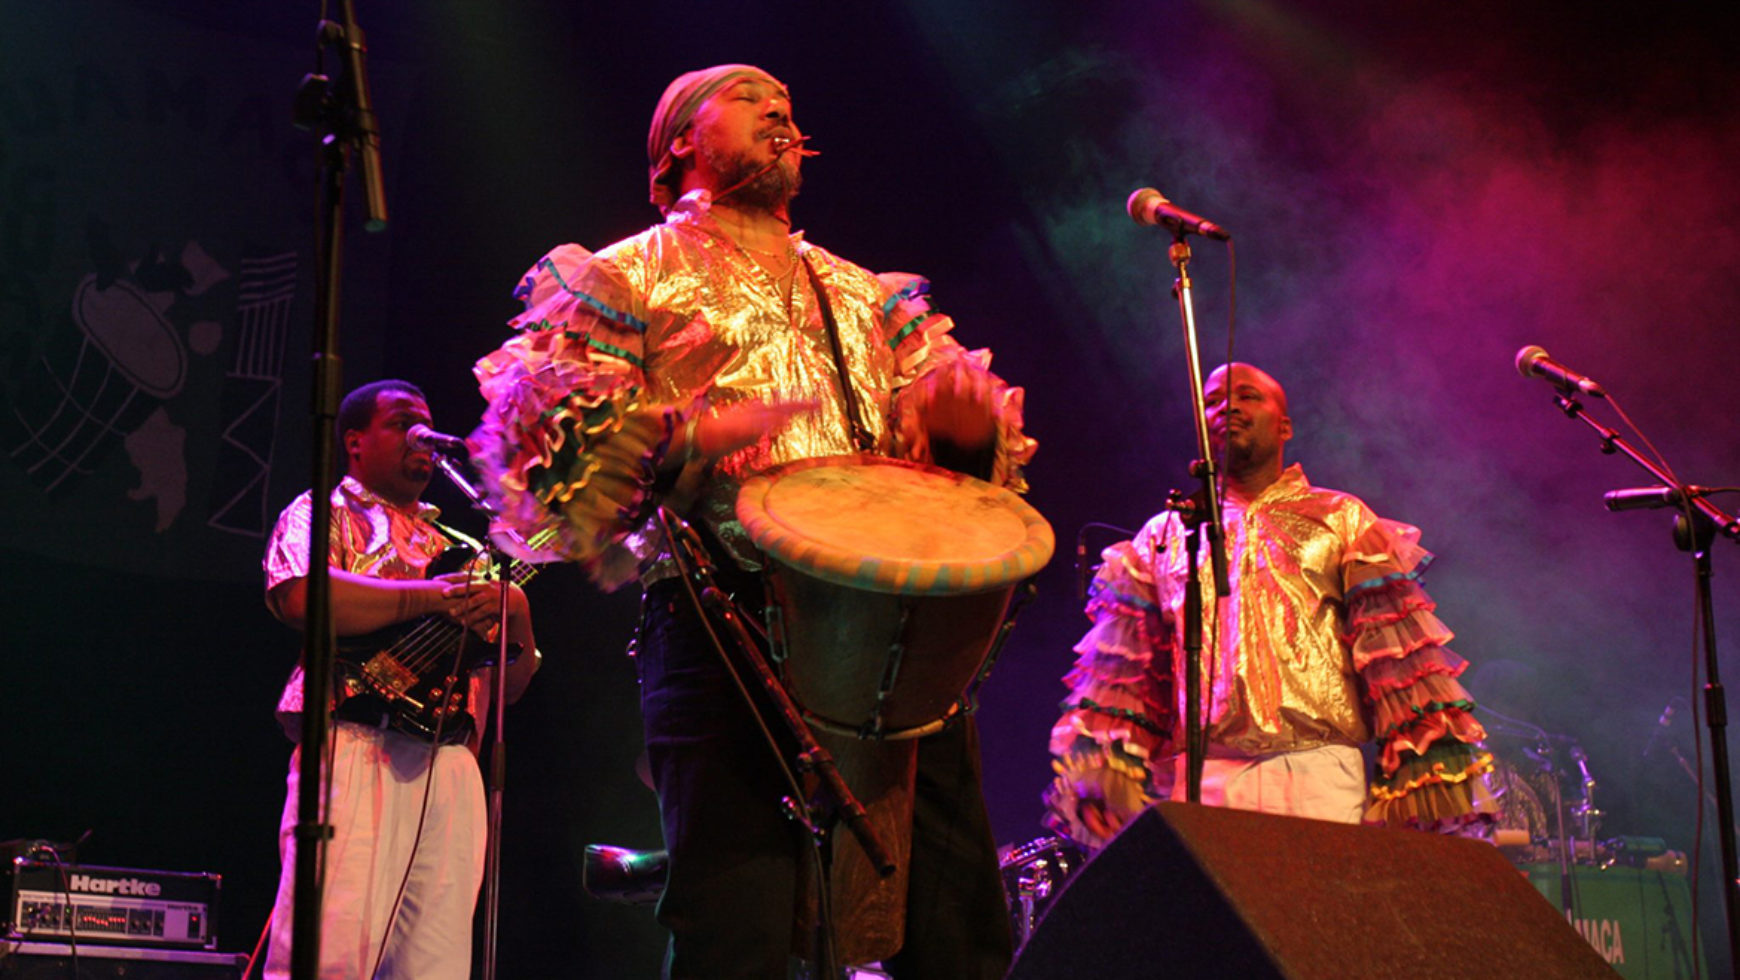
[
  {"x": 1661, "y": 725},
  {"x": 422, "y": 437},
  {"x": 1150, "y": 207},
  {"x": 1533, "y": 362},
  {"x": 1081, "y": 563},
  {"x": 365, "y": 127},
  {"x": 1648, "y": 498}
]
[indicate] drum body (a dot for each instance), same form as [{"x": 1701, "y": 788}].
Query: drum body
[
  {"x": 842, "y": 645},
  {"x": 890, "y": 581}
]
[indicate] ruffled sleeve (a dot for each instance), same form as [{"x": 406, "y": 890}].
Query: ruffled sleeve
[
  {"x": 920, "y": 338},
  {"x": 569, "y": 446},
  {"x": 1119, "y": 711},
  {"x": 1428, "y": 764}
]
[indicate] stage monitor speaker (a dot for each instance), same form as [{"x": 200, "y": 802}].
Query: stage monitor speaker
[{"x": 1187, "y": 891}]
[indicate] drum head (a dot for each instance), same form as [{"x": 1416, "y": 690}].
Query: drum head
[{"x": 887, "y": 525}]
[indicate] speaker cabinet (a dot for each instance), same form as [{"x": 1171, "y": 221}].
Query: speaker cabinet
[
  {"x": 54, "y": 961},
  {"x": 1191, "y": 891}
]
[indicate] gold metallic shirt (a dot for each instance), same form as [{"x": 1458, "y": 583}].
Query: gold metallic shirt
[
  {"x": 1277, "y": 673},
  {"x": 616, "y": 349},
  {"x": 1327, "y": 638}
]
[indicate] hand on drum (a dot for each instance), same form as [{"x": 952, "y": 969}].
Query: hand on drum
[
  {"x": 957, "y": 406},
  {"x": 731, "y": 428}
]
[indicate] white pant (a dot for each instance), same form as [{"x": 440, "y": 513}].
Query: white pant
[
  {"x": 1326, "y": 783},
  {"x": 378, "y": 781}
]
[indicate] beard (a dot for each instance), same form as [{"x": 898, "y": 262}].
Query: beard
[
  {"x": 1236, "y": 448},
  {"x": 417, "y": 471},
  {"x": 758, "y": 185}
]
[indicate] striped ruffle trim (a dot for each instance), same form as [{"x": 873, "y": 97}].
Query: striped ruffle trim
[
  {"x": 1451, "y": 764},
  {"x": 1114, "y": 787}
]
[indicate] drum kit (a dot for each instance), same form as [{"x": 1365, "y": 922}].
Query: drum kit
[
  {"x": 1033, "y": 874},
  {"x": 1544, "y": 792}
]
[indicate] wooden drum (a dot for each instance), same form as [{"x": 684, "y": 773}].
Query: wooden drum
[{"x": 890, "y": 581}]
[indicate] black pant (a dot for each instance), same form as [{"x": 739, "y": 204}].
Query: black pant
[{"x": 734, "y": 856}]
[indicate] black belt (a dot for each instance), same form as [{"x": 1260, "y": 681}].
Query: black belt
[{"x": 373, "y": 712}]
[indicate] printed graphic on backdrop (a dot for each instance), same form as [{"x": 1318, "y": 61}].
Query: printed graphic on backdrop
[
  {"x": 154, "y": 238},
  {"x": 252, "y": 391},
  {"x": 105, "y": 381}
]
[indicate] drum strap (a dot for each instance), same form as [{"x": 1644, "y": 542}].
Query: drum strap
[{"x": 860, "y": 432}]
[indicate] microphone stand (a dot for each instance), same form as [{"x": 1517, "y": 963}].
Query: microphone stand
[
  {"x": 343, "y": 117},
  {"x": 834, "y": 802},
  {"x": 1695, "y": 530},
  {"x": 1550, "y": 765},
  {"x": 1692, "y": 774},
  {"x": 495, "y": 774},
  {"x": 1204, "y": 514}
]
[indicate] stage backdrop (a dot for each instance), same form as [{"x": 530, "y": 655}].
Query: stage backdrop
[{"x": 1414, "y": 195}]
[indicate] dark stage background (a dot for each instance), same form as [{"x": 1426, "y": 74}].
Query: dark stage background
[{"x": 1417, "y": 191}]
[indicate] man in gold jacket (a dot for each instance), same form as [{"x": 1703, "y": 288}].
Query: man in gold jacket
[{"x": 1326, "y": 642}]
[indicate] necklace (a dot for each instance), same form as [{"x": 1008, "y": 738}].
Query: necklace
[
  {"x": 787, "y": 282},
  {"x": 782, "y": 253},
  {"x": 784, "y": 279}
]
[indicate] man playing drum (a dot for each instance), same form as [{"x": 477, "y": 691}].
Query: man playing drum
[
  {"x": 1327, "y": 641},
  {"x": 666, "y": 369}
]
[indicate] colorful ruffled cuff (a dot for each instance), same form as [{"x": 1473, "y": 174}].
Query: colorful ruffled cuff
[
  {"x": 1441, "y": 790},
  {"x": 569, "y": 453},
  {"x": 1121, "y": 667},
  {"x": 1119, "y": 713},
  {"x": 1109, "y": 786},
  {"x": 1421, "y": 717},
  {"x": 1421, "y": 714},
  {"x": 1417, "y": 701}
]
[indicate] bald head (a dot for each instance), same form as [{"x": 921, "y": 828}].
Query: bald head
[
  {"x": 1248, "y": 424},
  {"x": 1253, "y": 375}
]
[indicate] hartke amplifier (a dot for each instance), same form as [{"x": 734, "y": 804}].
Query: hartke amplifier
[
  {"x": 55, "y": 961},
  {"x": 121, "y": 906}
]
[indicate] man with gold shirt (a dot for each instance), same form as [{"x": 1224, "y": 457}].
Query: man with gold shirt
[
  {"x": 664, "y": 370},
  {"x": 1326, "y": 642}
]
